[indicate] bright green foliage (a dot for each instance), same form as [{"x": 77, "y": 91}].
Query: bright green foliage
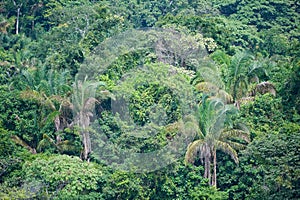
[
  {"x": 263, "y": 116},
  {"x": 62, "y": 176},
  {"x": 7, "y": 193},
  {"x": 227, "y": 48}
]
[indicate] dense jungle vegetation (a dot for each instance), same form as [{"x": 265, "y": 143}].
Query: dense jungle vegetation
[{"x": 149, "y": 99}]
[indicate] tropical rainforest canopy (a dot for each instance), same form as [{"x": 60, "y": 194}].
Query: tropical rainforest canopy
[{"x": 136, "y": 99}]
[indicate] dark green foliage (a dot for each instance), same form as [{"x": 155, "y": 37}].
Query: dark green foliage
[
  {"x": 291, "y": 93},
  {"x": 147, "y": 96},
  {"x": 19, "y": 116},
  {"x": 229, "y": 34},
  {"x": 123, "y": 64},
  {"x": 270, "y": 166},
  {"x": 174, "y": 182},
  {"x": 146, "y": 13},
  {"x": 266, "y": 14}
]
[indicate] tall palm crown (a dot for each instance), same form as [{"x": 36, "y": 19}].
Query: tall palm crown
[
  {"x": 50, "y": 89},
  {"x": 243, "y": 70},
  {"x": 213, "y": 134}
]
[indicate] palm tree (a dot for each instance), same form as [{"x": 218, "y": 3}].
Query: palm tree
[
  {"x": 209, "y": 81},
  {"x": 214, "y": 91},
  {"x": 242, "y": 73},
  {"x": 239, "y": 74},
  {"x": 244, "y": 69},
  {"x": 51, "y": 90},
  {"x": 213, "y": 135},
  {"x": 83, "y": 102}
]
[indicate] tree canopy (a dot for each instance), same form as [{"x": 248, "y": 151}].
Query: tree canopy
[{"x": 185, "y": 99}]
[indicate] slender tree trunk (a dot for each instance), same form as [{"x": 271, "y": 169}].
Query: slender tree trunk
[
  {"x": 207, "y": 169},
  {"x": 18, "y": 16},
  {"x": 87, "y": 145},
  {"x": 17, "y": 23},
  {"x": 84, "y": 122},
  {"x": 214, "y": 175},
  {"x": 235, "y": 91}
]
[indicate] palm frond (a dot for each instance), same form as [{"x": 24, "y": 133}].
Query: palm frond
[
  {"x": 28, "y": 78},
  {"x": 226, "y": 148},
  {"x": 243, "y": 127},
  {"x": 239, "y": 61},
  {"x": 234, "y": 133},
  {"x": 51, "y": 117},
  {"x": 45, "y": 142},
  {"x": 90, "y": 103},
  {"x": 32, "y": 95},
  {"x": 21, "y": 142},
  {"x": 44, "y": 87},
  {"x": 225, "y": 96},
  {"x": 191, "y": 127},
  {"x": 236, "y": 145},
  {"x": 67, "y": 146},
  {"x": 207, "y": 87},
  {"x": 192, "y": 150},
  {"x": 211, "y": 75}
]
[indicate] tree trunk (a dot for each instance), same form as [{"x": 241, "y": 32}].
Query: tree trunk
[
  {"x": 18, "y": 16},
  {"x": 86, "y": 145},
  {"x": 207, "y": 168},
  {"x": 83, "y": 122},
  {"x": 214, "y": 175},
  {"x": 17, "y": 23}
]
